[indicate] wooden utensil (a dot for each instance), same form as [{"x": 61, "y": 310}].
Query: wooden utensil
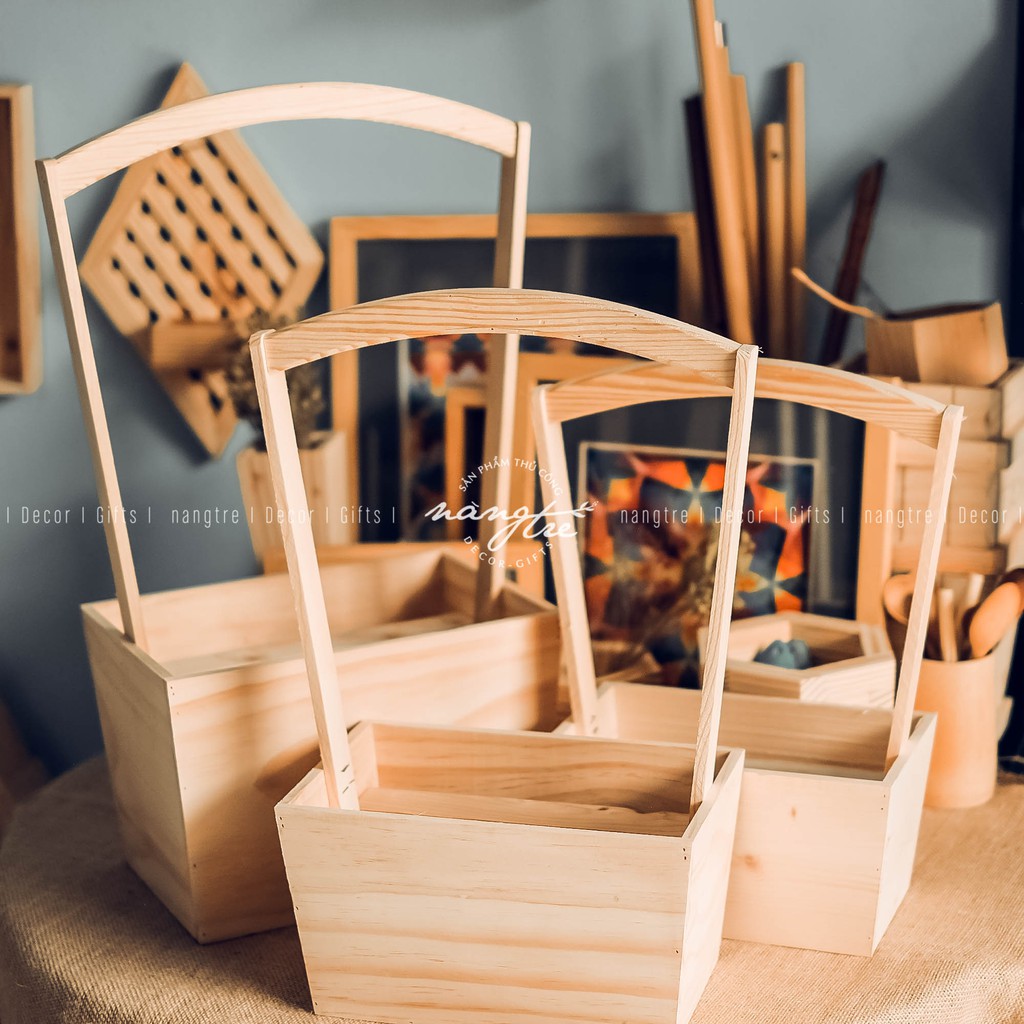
[
  {"x": 994, "y": 617},
  {"x": 946, "y": 619},
  {"x": 896, "y": 594}
]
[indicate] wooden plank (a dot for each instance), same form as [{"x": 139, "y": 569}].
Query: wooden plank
[
  {"x": 717, "y": 96},
  {"x": 796, "y": 207},
  {"x": 744, "y": 149},
  {"x": 713, "y": 300},
  {"x": 776, "y": 281}
]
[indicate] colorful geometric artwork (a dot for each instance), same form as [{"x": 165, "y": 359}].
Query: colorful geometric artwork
[{"x": 649, "y": 546}]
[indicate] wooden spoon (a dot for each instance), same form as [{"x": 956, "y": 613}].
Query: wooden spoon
[
  {"x": 993, "y": 618},
  {"x": 896, "y": 594}
]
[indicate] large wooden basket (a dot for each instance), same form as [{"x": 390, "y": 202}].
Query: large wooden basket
[
  {"x": 202, "y": 696},
  {"x": 832, "y": 796},
  {"x": 456, "y": 875}
]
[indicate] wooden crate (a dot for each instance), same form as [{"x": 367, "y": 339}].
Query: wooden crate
[
  {"x": 986, "y": 505},
  {"x": 853, "y": 662},
  {"x": 832, "y": 796},
  {"x": 211, "y": 724},
  {"x": 204, "y": 727},
  {"x": 501, "y": 877}
]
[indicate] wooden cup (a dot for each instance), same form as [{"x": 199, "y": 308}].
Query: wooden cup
[{"x": 964, "y": 759}]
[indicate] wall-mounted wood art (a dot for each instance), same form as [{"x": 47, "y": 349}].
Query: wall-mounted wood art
[
  {"x": 649, "y": 260},
  {"x": 198, "y": 235},
  {"x": 21, "y": 361}
]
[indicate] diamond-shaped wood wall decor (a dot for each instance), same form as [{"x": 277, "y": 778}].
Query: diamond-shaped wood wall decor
[{"x": 199, "y": 235}]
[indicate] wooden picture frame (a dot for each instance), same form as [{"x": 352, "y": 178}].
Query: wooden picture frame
[
  {"x": 21, "y": 355},
  {"x": 349, "y": 234}
]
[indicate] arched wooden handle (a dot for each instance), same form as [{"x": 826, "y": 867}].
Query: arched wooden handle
[{"x": 832, "y": 300}]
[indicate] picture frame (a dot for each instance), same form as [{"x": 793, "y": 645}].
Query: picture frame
[
  {"x": 635, "y": 568},
  {"x": 374, "y": 256},
  {"x": 21, "y": 357}
]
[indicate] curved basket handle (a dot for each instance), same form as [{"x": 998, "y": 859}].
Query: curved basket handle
[
  {"x": 565, "y": 562},
  {"x": 467, "y": 311},
  {"x": 64, "y": 176},
  {"x": 873, "y": 401}
]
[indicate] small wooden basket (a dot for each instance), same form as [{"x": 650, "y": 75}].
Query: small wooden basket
[
  {"x": 832, "y": 796},
  {"x": 451, "y": 876},
  {"x": 852, "y": 662},
  {"x": 201, "y": 692}
]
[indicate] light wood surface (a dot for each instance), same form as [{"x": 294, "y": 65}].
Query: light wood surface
[
  {"x": 776, "y": 280},
  {"x": 724, "y": 168},
  {"x": 496, "y": 311},
  {"x": 744, "y": 148},
  {"x": 526, "y": 557},
  {"x": 796, "y": 206},
  {"x": 21, "y": 356}
]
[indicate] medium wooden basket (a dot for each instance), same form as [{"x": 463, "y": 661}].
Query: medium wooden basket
[
  {"x": 457, "y": 876},
  {"x": 202, "y": 695},
  {"x": 832, "y": 796}
]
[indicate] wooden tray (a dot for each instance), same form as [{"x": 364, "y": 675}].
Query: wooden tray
[
  {"x": 832, "y": 796},
  {"x": 202, "y": 721},
  {"x": 499, "y": 877}
]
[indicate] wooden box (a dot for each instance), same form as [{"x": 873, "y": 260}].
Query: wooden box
[
  {"x": 211, "y": 725},
  {"x": 986, "y": 505},
  {"x": 945, "y": 345},
  {"x": 325, "y": 470},
  {"x": 204, "y": 724},
  {"x": 832, "y": 796},
  {"x": 852, "y": 661},
  {"x": 510, "y": 877},
  {"x": 444, "y": 875}
]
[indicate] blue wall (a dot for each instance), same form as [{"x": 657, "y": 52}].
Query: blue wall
[{"x": 926, "y": 84}]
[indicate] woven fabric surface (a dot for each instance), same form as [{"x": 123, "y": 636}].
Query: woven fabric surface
[{"x": 83, "y": 941}]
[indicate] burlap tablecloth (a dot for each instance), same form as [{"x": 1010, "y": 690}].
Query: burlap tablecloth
[{"x": 83, "y": 940}]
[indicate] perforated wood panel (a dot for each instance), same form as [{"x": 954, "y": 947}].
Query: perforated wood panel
[{"x": 199, "y": 234}]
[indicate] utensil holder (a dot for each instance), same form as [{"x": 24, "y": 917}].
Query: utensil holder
[{"x": 965, "y": 756}]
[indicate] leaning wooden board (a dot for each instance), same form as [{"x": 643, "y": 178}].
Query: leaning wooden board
[{"x": 199, "y": 233}]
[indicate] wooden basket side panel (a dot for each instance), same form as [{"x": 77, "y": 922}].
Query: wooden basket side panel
[
  {"x": 907, "y": 780},
  {"x": 805, "y": 868},
  {"x": 139, "y": 742},
  {"x": 709, "y": 860},
  {"x": 483, "y": 923},
  {"x": 241, "y": 745}
]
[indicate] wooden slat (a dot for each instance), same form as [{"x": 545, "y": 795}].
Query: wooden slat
[
  {"x": 717, "y": 96},
  {"x": 748, "y": 180},
  {"x": 497, "y": 311},
  {"x": 796, "y": 206},
  {"x": 80, "y": 167},
  {"x": 776, "y": 281}
]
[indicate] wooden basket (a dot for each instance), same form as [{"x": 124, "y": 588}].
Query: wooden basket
[
  {"x": 201, "y": 692},
  {"x": 450, "y": 875},
  {"x": 832, "y": 796},
  {"x": 853, "y": 662}
]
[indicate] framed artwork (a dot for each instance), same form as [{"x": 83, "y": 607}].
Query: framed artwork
[
  {"x": 649, "y": 546},
  {"x": 406, "y": 457}
]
